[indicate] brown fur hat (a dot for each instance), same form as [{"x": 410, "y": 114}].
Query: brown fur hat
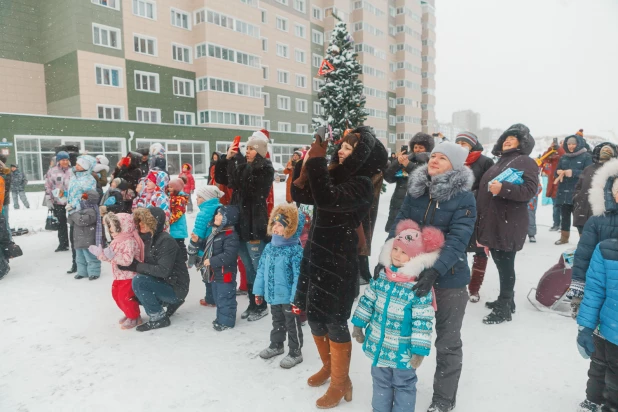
[
  {"x": 290, "y": 211},
  {"x": 141, "y": 214}
]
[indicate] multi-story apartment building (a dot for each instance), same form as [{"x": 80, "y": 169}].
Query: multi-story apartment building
[{"x": 128, "y": 69}]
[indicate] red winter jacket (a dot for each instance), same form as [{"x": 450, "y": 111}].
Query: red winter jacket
[{"x": 190, "y": 186}]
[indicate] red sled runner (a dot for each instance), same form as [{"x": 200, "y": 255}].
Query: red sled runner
[{"x": 550, "y": 293}]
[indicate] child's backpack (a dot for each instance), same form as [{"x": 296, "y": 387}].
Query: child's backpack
[{"x": 553, "y": 286}]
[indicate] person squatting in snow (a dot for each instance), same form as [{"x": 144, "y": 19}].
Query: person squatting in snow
[
  {"x": 218, "y": 265},
  {"x": 126, "y": 245},
  {"x": 399, "y": 323},
  {"x": 276, "y": 280}
]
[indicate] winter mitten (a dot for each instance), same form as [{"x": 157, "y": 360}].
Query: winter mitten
[
  {"x": 259, "y": 300},
  {"x": 576, "y": 289},
  {"x": 376, "y": 272},
  {"x": 575, "y": 302},
  {"x": 102, "y": 210},
  {"x": 357, "y": 333},
  {"x": 416, "y": 361},
  {"x": 131, "y": 268},
  {"x": 425, "y": 282},
  {"x": 109, "y": 253},
  {"x": 295, "y": 310},
  {"x": 95, "y": 250},
  {"x": 191, "y": 260},
  {"x": 585, "y": 342}
]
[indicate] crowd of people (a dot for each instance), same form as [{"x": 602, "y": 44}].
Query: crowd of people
[{"x": 308, "y": 257}]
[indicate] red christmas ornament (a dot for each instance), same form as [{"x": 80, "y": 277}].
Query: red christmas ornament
[{"x": 325, "y": 68}]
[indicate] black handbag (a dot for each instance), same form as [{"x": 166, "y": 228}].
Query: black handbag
[
  {"x": 51, "y": 223},
  {"x": 14, "y": 250}
]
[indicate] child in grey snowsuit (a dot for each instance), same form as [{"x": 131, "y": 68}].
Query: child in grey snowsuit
[
  {"x": 18, "y": 187},
  {"x": 87, "y": 232}
]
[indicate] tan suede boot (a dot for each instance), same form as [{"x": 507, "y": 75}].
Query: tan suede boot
[
  {"x": 320, "y": 378},
  {"x": 340, "y": 383},
  {"x": 564, "y": 237}
]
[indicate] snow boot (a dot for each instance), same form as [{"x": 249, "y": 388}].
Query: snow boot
[
  {"x": 275, "y": 349},
  {"x": 154, "y": 324},
  {"x": 252, "y": 306},
  {"x": 73, "y": 269},
  {"x": 173, "y": 307},
  {"x": 587, "y": 406},
  {"x": 340, "y": 383},
  {"x": 436, "y": 407},
  {"x": 204, "y": 303},
  {"x": 61, "y": 248},
  {"x": 258, "y": 313},
  {"x": 79, "y": 277},
  {"x": 532, "y": 239},
  {"x": 320, "y": 378},
  {"x": 554, "y": 228},
  {"x": 564, "y": 237},
  {"x": 478, "y": 274},
  {"x": 122, "y": 319},
  {"x": 131, "y": 323},
  {"x": 219, "y": 327},
  {"x": 500, "y": 313},
  {"x": 491, "y": 305},
  {"x": 294, "y": 358},
  {"x": 240, "y": 292},
  {"x": 93, "y": 277}
]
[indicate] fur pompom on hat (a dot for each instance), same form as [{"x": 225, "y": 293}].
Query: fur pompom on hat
[
  {"x": 259, "y": 141},
  {"x": 414, "y": 241},
  {"x": 209, "y": 192}
]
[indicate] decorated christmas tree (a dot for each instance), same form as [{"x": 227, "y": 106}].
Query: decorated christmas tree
[{"x": 341, "y": 97}]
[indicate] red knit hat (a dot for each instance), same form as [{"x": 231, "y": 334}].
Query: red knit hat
[{"x": 152, "y": 177}]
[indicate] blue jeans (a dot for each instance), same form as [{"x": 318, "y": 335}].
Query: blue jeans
[
  {"x": 394, "y": 390},
  {"x": 225, "y": 299},
  {"x": 250, "y": 254},
  {"x": 88, "y": 266},
  {"x": 152, "y": 292},
  {"x": 557, "y": 214}
]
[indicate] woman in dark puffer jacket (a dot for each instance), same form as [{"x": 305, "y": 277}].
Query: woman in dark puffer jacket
[
  {"x": 479, "y": 164},
  {"x": 402, "y": 166}
]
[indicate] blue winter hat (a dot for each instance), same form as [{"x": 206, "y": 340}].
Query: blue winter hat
[{"x": 62, "y": 156}]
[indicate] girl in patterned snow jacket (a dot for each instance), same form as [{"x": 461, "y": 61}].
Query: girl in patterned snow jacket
[
  {"x": 154, "y": 193},
  {"x": 276, "y": 281},
  {"x": 399, "y": 323}
]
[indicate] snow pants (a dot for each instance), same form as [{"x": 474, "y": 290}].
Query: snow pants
[
  {"x": 152, "y": 293},
  {"x": 123, "y": 294},
  {"x": 225, "y": 298},
  {"x": 394, "y": 390},
  {"x": 286, "y": 321},
  {"x": 449, "y": 353},
  {"x": 88, "y": 266},
  {"x": 602, "y": 385}
]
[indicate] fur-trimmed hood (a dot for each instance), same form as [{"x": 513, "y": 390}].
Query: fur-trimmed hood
[
  {"x": 600, "y": 193},
  {"x": 581, "y": 143},
  {"x": 141, "y": 214},
  {"x": 443, "y": 187},
  {"x": 410, "y": 271},
  {"x": 292, "y": 215},
  {"x": 423, "y": 139},
  {"x": 368, "y": 158},
  {"x": 122, "y": 222},
  {"x": 596, "y": 153},
  {"x": 526, "y": 141}
]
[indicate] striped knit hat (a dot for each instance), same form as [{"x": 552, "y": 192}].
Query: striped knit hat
[{"x": 467, "y": 137}]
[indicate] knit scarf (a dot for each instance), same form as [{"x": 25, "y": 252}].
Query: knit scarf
[
  {"x": 99, "y": 232},
  {"x": 472, "y": 157},
  {"x": 208, "y": 251},
  {"x": 279, "y": 241},
  {"x": 580, "y": 151}
]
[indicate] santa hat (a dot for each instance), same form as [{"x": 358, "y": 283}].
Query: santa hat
[{"x": 259, "y": 141}]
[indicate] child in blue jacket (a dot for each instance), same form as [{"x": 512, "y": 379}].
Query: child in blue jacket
[
  {"x": 399, "y": 323},
  {"x": 276, "y": 280},
  {"x": 208, "y": 203},
  {"x": 598, "y": 328}
]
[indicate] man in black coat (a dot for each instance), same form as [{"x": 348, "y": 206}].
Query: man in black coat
[{"x": 163, "y": 278}]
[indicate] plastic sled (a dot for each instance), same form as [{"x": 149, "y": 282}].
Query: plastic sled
[
  {"x": 550, "y": 293},
  {"x": 19, "y": 231}
]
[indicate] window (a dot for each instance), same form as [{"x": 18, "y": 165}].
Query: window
[
  {"x": 148, "y": 115},
  {"x": 392, "y": 121},
  {"x": 181, "y": 53},
  {"x": 316, "y": 60},
  {"x": 144, "y": 45},
  {"x": 301, "y": 81},
  {"x": 317, "y": 109},
  {"x": 282, "y": 23},
  {"x": 266, "y": 97},
  {"x": 229, "y": 118},
  {"x": 112, "y": 4},
  {"x": 183, "y": 87},
  {"x": 317, "y": 12},
  {"x": 264, "y": 16},
  {"x": 317, "y": 37},
  {"x": 146, "y": 82},
  {"x": 252, "y": 3},
  {"x": 317, "y": 84},
  {"x": 185, "y": 118},
  {"x": 230, "y": 55},
  {"x": 180, "y": 19},
  {"x": 108, "y": 76},
  {"x": 283, "y": 77},
  {"x": 300, "y": 5},
  {"x": 106, "y": 36},
  {"x": 284, "y": 127},
  {"x": 284, "y": 2},
  {"x": 283, "y": 103},
  {"x": 300, "y": 55},
  {"x": 392, "y": 138},
  {"x": 232, "y": 23},
  {"x": 300, "y": 30},
  {"x": 109, "y": 112},
  {"x": 283, "y": 50},
  {"x": 301, "y": 105},
  {"x": 145, "y": 8},
  {"x": 265, "y": 72},
  {"x": 302, "y": 128},
  {"x": 264, "y": 44},
  {"x": 392, "y": 103},
  {"x": 228, "y": 86},
  {"x": 200, "y": 16}
]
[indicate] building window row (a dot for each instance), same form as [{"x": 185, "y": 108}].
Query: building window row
[
  {"x": 224, "y": 53},
  {"x": 428, "y": 42},
  {"x": 429, "y": 91},
  {"x": 365, "y": 48},
  {"x": 404, "y": 136},
  {"x": 381, "y": 94},
  {"x": 372, "y": 71},
  {"x": 226, "y": 21},
  {"x": 229, "y": 118},
  {"x": 380, "y": 133},
  {"x": 404, "y": 46},
  {"x": 404, "y": 66},
  {"x": 252, "y": 3},
  {"x": 362, "y": 4},
  {"x": 228, "y": 86},
  {"x": 427, "y": 106},
  {"x": 361, "y": 25},
  {"x": 402, "y": 28},
  {"x": 380, "y": 114},
  {"x": 404, "y": 83},
  {"x": 428, "y": 58},
  {"x": 408, "y": 12},
  {"x": 428, "y": 75},
  {"x": 407, "y": 102},
  {"x": 408, "y": 119}
]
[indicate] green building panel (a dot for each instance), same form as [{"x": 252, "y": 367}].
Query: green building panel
[
  {"x": 19, "y": 30},
  {"x": 62, "y": 85},
  {"x": 57, "y": 29},
  {"x": 275, "y": 115},
  {"x": 165, "y": 100},
  {"x": 87, "y": 13}
]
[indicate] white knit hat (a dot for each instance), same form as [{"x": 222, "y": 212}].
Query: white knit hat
[
  {"x": 209, "y": 192},
  {"x": 259, "y": 141}
]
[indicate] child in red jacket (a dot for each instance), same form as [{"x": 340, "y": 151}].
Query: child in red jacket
[{"x": 189, "y": 185}]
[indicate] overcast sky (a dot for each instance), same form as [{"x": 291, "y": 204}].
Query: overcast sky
[{"x": 551, "y": 64}]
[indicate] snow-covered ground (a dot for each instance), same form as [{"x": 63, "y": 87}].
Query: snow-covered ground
[{"x": 61, "y": 348}]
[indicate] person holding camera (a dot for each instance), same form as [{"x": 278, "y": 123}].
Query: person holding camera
[{"x": 56, "y": 190}]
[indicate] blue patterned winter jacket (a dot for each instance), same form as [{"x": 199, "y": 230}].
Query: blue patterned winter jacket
[
  {"x": 279, "y": 268},
  {"x": 399, "y": 323},
  {"x": 202, "y": 226},
  {"x": 80, "y": 183},
  {"x": 600, "y": 304}
]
